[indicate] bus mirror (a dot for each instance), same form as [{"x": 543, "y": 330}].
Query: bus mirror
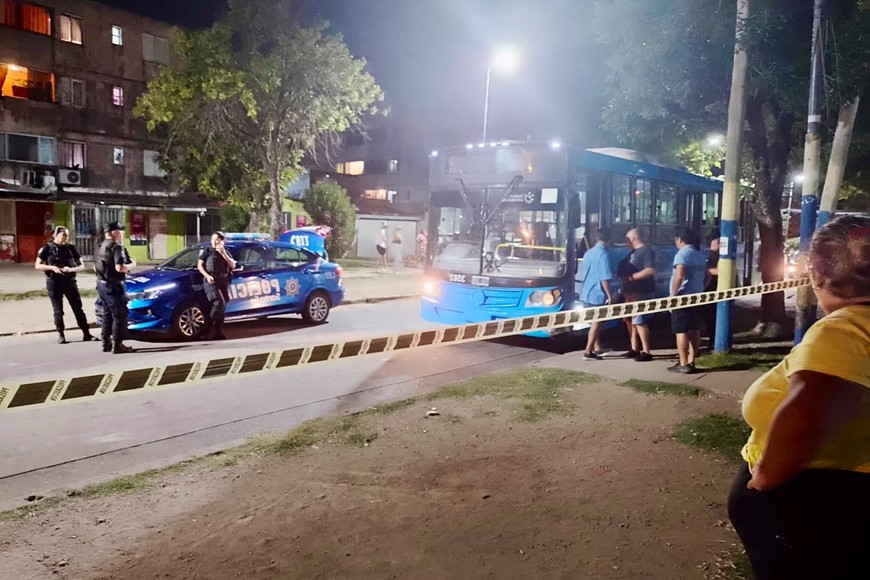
[{"x": 575, "y": 215}]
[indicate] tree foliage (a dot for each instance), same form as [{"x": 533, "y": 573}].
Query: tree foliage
[
  {"x": 669, "y": 85},
  {"x": 329, "y": 205},
  {"x": 248, "y": 98}
]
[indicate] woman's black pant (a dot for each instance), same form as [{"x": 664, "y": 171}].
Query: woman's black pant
[{"x": 815, "y": 526}]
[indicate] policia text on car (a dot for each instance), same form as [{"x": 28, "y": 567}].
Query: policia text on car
[
  {"x": 112, "y": 262},
  {"x": 61, "y": 261}
]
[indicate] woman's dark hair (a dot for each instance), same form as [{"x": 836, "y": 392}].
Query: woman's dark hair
[
  {"x": 59, "y": 229},
  {"x": 840, "y": 256},
  {"x": 220, "y": 234}
]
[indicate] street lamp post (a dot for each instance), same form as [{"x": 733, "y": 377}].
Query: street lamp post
[{"x": 504, "y": 60}]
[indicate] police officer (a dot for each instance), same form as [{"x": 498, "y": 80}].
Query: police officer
[
  {"x": 61, "y": 261},
  {"x": 215, "y": 264},
  {"x": 112, "y": 262}
]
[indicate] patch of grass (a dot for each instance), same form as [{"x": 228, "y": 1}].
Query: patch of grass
[
  {"x": 659, "y": 388},
  {"x": 130, "y": 483},
  {"x": 720, "y": 433},
  {"x": 756, "y": 360},
  {"x": 730, "y": 565},
  {"x": 30, "y": 510},
  {"x": 327, "y": 431},
  {"x": 35, "y": 294},
  {"x": 536, "y": 388},
  {"x": 388, "y": 408}
]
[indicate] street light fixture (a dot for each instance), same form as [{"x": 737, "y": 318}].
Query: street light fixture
[{"x": 505, "y": 60}]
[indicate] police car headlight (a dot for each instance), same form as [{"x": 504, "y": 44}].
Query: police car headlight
[
  {"x": 151, "y": 293},
  {"x": 543, "y": 298}
]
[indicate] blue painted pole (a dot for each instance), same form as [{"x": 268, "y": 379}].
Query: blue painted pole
[
  {"x": 731, "y": 190},
  {"x": 805, "y": 315}
]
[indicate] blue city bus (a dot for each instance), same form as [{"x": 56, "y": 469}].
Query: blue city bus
[{"x": 509, "y": 223}]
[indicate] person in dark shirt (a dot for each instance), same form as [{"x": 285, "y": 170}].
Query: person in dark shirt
[
  {"x": 112, "y": 262},
  {"x": 713, "y": 271},
  {"x": 61, "y": 261},
  {"x": 215, "y": 264},
  {"x": 638, "y": 274}
]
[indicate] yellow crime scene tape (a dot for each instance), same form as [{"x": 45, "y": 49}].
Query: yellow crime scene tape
[{"x": 55, "y": 391}]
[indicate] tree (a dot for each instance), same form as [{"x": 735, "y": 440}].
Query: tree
[
  {"x": 329, "y": 205},
  {"x": 668, "y": 86},
  {"x": 247, "y": 99}
]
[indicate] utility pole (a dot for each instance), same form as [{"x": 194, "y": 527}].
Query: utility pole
[
  {"x": 837, "y": 163},
  {"x": 806, "y": 300},
  {"x": 486, "y": 103},
  {"x": 731, "y": 192}
]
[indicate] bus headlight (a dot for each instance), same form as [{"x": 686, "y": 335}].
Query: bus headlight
[
  {"x": 431, "y": 288},
  {"x": 543, "y": 298}
]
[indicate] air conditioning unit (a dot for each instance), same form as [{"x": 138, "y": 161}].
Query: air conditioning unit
[
  {"x": 69, "y": 176},
  {"x": 28, "y": 178}
]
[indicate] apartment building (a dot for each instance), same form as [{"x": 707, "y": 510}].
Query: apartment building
[{"x": 71, "y": 151}]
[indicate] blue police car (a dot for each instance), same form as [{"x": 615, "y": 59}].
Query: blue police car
[{"x": 290, "y": 276}]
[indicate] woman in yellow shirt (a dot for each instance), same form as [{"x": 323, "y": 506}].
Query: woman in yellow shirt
[{"x": 801, "y": 503}]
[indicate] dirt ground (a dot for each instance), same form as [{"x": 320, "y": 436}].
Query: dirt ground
[{"x": 599, "y": 490}]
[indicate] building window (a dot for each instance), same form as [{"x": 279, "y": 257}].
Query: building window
[
  {"x": 117, "y": 36},
  {"x": 393, "y": 166},
  {"x": 155, "y": 49},
  {"x": 118, "y": 96},
  {"x": 72, "y": 92},
  {"x": 152, "y": 165},
  {"x": 28, "y": 148},
  {"x": 380, "y": 194},
  {"x": 25, "y": 16},
  {"x": 23, "y": 83},
  {"x": 70, "y": 29},
  {"x": 72, "y": 154},
  {"x": 351, "y": 168},
  {"x": 118, "y": 155}
]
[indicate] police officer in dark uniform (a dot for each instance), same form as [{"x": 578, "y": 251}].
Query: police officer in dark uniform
[
  {"x": 112, "y": 262},
  {"x": 216, "y": 266},
  {"x": 61, "y": 261}
]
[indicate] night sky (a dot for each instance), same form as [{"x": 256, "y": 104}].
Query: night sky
[{"x": 430, "y": 58}]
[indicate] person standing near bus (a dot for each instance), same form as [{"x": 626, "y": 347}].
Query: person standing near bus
[
  {"x": 689, "y": 277},
  {"x": 638, "y": 274},
  {"x": 713, "y": 271},
  {"x": 216, "y": 266},
  {"x": 595, "y": 276},
  {"x": 61, "y": 262}
]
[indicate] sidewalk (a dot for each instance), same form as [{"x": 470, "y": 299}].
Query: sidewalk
[{"x": 363, "y": 285}]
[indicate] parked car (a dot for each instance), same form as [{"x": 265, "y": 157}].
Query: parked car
[{"x": 272, "y": 278}]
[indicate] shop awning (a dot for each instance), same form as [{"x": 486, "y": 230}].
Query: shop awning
[{"x": 181, "y": 202}]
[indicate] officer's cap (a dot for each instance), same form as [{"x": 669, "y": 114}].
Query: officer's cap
[{"x": 113, "y": 227}]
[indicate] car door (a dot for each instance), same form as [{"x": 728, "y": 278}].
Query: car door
[
  {"x": 250, "y": 290},
  {"x": 293, "y": 271}
]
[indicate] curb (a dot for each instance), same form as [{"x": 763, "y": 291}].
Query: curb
[{"x": 345, "y": 303}]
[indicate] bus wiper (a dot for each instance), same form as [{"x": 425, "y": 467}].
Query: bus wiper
[
  {"x": 509, "y": 190},
  {"x": 463, "y": 191}
]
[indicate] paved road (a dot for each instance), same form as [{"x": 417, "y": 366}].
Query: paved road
[{"x": 73, "y": 445}]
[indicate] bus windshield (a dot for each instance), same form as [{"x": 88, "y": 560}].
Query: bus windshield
[{"x": 523, "y": 236}]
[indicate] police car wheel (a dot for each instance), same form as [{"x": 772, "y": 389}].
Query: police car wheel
[
  {"x": 189, "y": 321},
  {"x": 316, "y": 308}
]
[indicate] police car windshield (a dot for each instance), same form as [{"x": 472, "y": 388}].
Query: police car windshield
[{"x": 184, "y": 260}]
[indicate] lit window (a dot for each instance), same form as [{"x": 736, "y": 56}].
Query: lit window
[
  {"x": 25, "y": 16},
  {"x": 118, "y": 96},
  {"x": 70, "y": 29},
  {"x": 118, "y": 155},
  {"x": 351, "y": 168},
  {"x": 72, "y": 154},
  {"x": 393, "y": 166},
  {"x": 152, "y": 166},
  {"x": 155, "y": 49},
  {"x": 22, "y": 83},
  {"x": 375, "y": 194},
  {"x": 117, "y": 36},
  {"x": 72, "y": 92}
]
